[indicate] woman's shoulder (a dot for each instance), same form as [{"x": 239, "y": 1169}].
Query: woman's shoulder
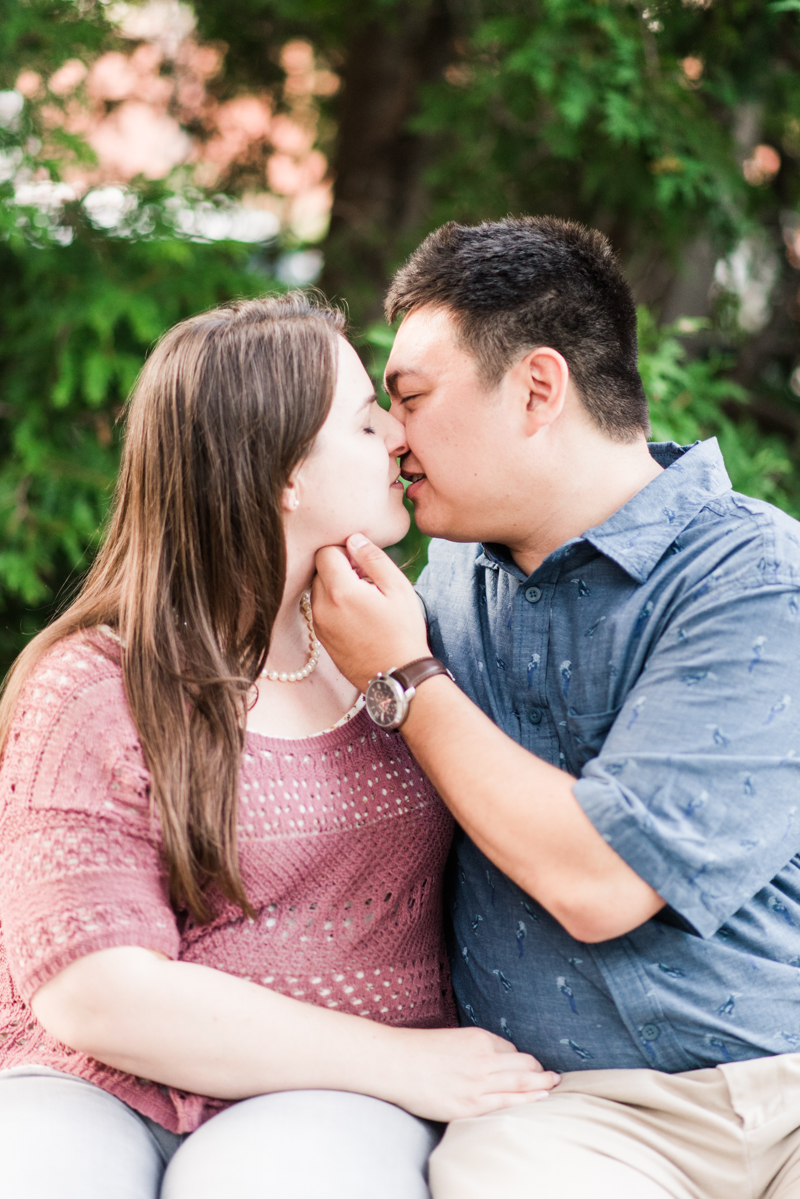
[
  {"x": 72, "y": 708},
  {"x": 83, "y": 662}
]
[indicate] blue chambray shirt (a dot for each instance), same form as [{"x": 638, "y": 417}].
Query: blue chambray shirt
[{"x": 657, "y": 659}]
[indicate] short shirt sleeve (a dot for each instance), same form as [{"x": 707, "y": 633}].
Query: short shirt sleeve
[
  {"x": 81, "y": 865},
  {"x": 697, "y": 786}
]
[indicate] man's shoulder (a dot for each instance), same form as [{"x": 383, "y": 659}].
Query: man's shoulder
[
  {"x": 759, "y": 514},
  {"x": 745, "y": 536}
]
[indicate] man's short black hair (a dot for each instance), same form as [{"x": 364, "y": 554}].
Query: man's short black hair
[{"x": 523, "y": 282}]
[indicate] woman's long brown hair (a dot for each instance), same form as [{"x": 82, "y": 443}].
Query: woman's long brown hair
[{"x": 192, "y": 570}]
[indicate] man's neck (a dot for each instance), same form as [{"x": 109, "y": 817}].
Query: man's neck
[{"x": 585, "y": 491}]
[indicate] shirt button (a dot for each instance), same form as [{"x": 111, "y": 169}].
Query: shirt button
[
  {"x": 535, "y": 716},
  {"x": 533, "y": 594},
  {"x": 650, "y": 1032}
]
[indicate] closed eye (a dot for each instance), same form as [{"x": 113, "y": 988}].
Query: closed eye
[{"x": 373, "y": 399}]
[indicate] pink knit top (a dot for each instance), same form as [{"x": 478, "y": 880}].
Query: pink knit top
[{"x": 342, "y": 847}]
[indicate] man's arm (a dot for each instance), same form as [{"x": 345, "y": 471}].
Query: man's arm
[{"x": 520, "y": 811}]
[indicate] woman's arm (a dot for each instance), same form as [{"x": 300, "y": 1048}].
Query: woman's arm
[{"x": 204, "y": 1031}]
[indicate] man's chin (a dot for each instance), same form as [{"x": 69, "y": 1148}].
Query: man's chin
[{"x": 432, "y": 525}]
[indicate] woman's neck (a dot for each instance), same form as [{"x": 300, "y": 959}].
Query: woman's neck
[
  {"x": 289, "y": 647},
  {"x": 284, "y": 709}
]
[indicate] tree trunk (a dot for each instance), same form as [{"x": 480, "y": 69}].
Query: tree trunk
[{"x": 379, "y": 194}]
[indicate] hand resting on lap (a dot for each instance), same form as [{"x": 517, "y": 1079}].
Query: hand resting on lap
[{"x": 201, "y": 1030}]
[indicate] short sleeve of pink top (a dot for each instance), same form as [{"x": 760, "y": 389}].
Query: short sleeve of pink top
[{"x": 342, "y": 847}]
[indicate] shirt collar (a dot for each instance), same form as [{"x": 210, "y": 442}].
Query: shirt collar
[{"x": 638, "y": 534}]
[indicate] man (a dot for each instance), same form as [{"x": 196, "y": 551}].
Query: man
[{"x": 621, "y": 745}]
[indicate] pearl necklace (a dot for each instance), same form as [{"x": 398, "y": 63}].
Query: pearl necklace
[{"x": 314, "y": 647}]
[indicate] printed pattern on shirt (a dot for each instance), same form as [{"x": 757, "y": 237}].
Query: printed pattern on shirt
[{"x": 655, "y": 658}]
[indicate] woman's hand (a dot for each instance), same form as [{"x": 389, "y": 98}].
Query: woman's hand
[{"x": 452, "y": 1073}]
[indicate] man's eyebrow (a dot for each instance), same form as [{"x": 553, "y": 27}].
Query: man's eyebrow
[{"x": 391, "y": 380}]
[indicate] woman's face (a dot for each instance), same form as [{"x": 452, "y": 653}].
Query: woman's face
[{"x": 349, "y": 482}]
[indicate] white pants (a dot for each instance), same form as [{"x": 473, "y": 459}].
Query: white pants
[{"x": 63, "y": 1138}]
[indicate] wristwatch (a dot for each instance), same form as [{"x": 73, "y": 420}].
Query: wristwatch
[{"x": 389, "y": 694}]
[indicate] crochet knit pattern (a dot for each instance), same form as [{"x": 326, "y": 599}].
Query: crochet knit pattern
[{"x": 342, "y": 844}]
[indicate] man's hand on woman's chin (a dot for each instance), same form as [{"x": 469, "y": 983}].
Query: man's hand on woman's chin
[{"x": 365, "y": 611}]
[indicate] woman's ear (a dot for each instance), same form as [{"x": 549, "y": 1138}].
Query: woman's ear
[{"x": 290, "y": 500}]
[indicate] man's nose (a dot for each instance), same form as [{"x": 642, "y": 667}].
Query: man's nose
[{"x": 395, "y": 437}]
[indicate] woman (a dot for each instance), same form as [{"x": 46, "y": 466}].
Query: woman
[{"x": 221, "y": 967}]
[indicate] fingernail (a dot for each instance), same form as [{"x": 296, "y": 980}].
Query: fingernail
[{"x": 357, "y": 541}]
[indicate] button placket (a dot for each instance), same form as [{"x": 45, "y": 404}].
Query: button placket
[{"x": 530, "y": 661}]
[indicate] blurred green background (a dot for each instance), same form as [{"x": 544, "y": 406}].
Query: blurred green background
[{"x": 158, "y": 158}]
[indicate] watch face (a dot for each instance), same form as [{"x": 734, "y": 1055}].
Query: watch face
[{"x": 384, "y": 704}]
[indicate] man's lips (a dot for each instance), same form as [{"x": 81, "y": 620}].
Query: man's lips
[
  {"x": 415, "y": 481},
  {"x": 413, "y": 477}
]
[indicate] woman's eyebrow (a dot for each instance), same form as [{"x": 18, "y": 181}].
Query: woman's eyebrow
[{"x": 372, "y": 399}]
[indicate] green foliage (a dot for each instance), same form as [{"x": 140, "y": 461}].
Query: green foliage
[
  {"x": 692, "y": 398},
  {"x": 78, "y": 320},
  {"x": 42, "y": 34},
  {"x": 581, "y": 107}
]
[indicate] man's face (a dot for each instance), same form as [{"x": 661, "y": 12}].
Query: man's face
[{"x": 457, "y": 431}]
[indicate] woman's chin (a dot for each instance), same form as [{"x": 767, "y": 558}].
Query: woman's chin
[
  {"x": 388, "y": 531},
  {"x": 392, "y": 533}
]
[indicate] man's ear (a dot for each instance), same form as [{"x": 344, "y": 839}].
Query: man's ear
[{"x": 544, "y": 373}]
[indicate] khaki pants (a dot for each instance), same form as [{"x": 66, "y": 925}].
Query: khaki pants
[{"x": 732, "y": 1132}]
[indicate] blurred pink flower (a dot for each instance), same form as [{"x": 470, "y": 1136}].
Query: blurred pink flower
[
  {"x": 138, "y": 107},
  {"x": 290, "y": 138},
  {"x": 240, "y": 124},
  {"x": 68, "y": 76},
  {"x": 290, "y": 176},
  {"x": 762, "y": 166},
  {"x": 138, "y": 139},
  {"x": 116, "y": 76},
  {"x": 29, "y": 83}
]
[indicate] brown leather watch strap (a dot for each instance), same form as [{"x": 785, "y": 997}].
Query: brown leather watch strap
[{"x": 418, "y": 671}]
